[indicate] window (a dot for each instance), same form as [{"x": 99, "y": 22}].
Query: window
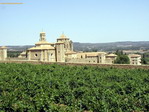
[{"x": 36, "y": 55}]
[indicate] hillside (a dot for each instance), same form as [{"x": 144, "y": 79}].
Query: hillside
[{"x": 113, "y": 46}]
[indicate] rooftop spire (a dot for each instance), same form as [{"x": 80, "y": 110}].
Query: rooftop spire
[{"x": 63, "y": 35}]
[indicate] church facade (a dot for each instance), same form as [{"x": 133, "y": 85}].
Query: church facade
[{"x": 51, "y": 52}]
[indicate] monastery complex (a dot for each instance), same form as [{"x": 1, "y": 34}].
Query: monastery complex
[{"x": 62, "y": 51}]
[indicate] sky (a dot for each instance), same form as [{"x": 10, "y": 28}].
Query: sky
[{"x": 85, "y": 21}]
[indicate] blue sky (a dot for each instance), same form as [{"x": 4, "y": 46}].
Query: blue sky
[{"x": 94, "y": 21}]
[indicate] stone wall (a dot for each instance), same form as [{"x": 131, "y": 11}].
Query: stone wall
[
  {"x": 34, "y": 55},
  {"x": 83, "y": 60},
  {"x": 16, "y": 59},
  {"x": 121, "y": 66}
]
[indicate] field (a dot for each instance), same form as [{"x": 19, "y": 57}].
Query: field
[{"x": 62, "y": 88}]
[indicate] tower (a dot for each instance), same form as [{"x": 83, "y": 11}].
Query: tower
[
  {"x": 42, "y": 36},
  {"x": 63, "y": 46},
  {"x": 3, "y": 53},
  {"x": 68, "y": 44},
  {"x": 60, "y": 52}
]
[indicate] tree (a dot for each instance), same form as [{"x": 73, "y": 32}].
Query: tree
[
  {"x": 144, "y": 61},
  {"x": 119, "y": 52},
  {"x": 145, "y": 58},
  {"x": 121, "y": 58}
]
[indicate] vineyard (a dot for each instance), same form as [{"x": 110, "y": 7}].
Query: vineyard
[{"x": 62, "y": 88}]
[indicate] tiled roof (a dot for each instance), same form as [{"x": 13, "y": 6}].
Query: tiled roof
[
  {"x": 112, "y": 55},
  {"x": 41, "y": 48},
  {"x": 134, "y": 55},
  {"x": 42, "y": 43}
]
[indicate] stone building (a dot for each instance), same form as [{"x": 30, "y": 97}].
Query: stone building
[
  {"x": 51, "y": 52},
  {"x": 90, "y": 57},
  {"x": 110, "y": 58},
  {"x": 86, "y": 57},
  {"x": 3, "y": 53},
  {"x": 135, "y": 59},
  {"x": 62, "y": 51},
  {"x": 23, "y": 55}
]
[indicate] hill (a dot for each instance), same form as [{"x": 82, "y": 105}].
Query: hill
[{"x": 112, "y": 46}]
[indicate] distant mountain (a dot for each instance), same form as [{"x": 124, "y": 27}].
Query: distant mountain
[
  {"x": 112, "y": 46},
  {"x": 19, "y": 48}
]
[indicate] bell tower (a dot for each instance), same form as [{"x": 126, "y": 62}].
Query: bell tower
[
  {"x": 68, "y": 44},
  {"x": 42, "y": 36}
]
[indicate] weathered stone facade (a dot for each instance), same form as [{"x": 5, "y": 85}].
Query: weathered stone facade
[
  {"x": 86, "y": 57},
  {"x": 45, "y": 51}
]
